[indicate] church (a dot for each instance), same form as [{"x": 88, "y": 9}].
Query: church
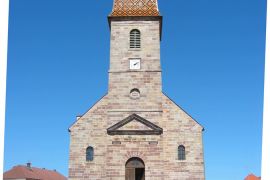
[{"x": 135, "y": 132}]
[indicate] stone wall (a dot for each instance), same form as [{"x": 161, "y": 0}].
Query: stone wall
[{"x": 160, "y": 159}]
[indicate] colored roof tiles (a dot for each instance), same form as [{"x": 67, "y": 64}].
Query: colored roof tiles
[
  {"x": 252, "y": 177},
  {"x": 135, "y": 8},
  {"x": 25, "y": 172}
]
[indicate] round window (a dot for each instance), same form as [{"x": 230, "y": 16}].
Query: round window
[{"x": 135, "y": 94}]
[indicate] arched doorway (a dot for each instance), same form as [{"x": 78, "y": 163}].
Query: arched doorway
[{"x": 135, "y": 169}]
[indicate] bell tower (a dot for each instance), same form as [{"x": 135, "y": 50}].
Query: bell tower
[{"x": 135, "y": 27}]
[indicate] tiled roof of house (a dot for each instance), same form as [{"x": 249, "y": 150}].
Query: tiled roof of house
[
  {"x": 252, "y": 177},
  {"x": 24, "y": 172},
  {"x": 135, "y": 8}
]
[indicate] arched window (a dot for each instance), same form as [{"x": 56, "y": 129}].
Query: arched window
[
  {"x": 89, "y": 153},
  {"x": 181, "y": 152},
  {"x": 135, "y": 38}
]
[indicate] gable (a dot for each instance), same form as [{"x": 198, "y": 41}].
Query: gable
[
  {"x": 134, "y": 125},
  {"x": 95, "y": 109}
]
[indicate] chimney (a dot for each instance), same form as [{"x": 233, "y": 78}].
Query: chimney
[{"x": 28, "y": 165}]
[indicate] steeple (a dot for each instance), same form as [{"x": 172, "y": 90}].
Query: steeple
[{"x": 124, "y": 8}]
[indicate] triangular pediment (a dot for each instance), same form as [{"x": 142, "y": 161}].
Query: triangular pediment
[{"x": 134, "y": 125}]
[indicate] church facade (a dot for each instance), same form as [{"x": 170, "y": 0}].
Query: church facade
[{"x": 136, "y": 132}]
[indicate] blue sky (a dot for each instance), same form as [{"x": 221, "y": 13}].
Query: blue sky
[{"x": 212, "y": 55}]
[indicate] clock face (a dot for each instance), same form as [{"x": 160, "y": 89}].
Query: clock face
[{"x": 135, "y": 64}]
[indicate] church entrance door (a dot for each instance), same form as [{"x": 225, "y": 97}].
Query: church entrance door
[{"x": 135, "y": 169}]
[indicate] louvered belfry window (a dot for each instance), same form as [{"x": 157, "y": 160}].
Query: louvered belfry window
[
  {"x": 135, "y": 39},
  {"x": 181, "y": 153}
]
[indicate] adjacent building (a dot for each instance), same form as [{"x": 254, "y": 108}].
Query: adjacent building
[
  {"x": 252, "y": 177},
  {"x": 135, "y": 131},
  {"x": 22, "y": 172}
]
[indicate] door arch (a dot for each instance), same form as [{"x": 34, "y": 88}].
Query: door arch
[{"x": 135, "y": 169}]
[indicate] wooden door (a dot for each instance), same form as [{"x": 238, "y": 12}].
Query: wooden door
[{"x": 130, "y": 173}]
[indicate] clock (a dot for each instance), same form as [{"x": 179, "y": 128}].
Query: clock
[{"x": 135, "y": 64}]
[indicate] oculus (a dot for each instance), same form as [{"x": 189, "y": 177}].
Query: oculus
[{"x": 135, "y": 94}]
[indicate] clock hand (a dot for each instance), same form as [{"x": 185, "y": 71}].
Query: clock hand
[{"x": 135, "y": 64}]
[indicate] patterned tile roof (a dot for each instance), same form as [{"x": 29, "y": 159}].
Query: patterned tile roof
[{"x": 135, "y": 8}]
